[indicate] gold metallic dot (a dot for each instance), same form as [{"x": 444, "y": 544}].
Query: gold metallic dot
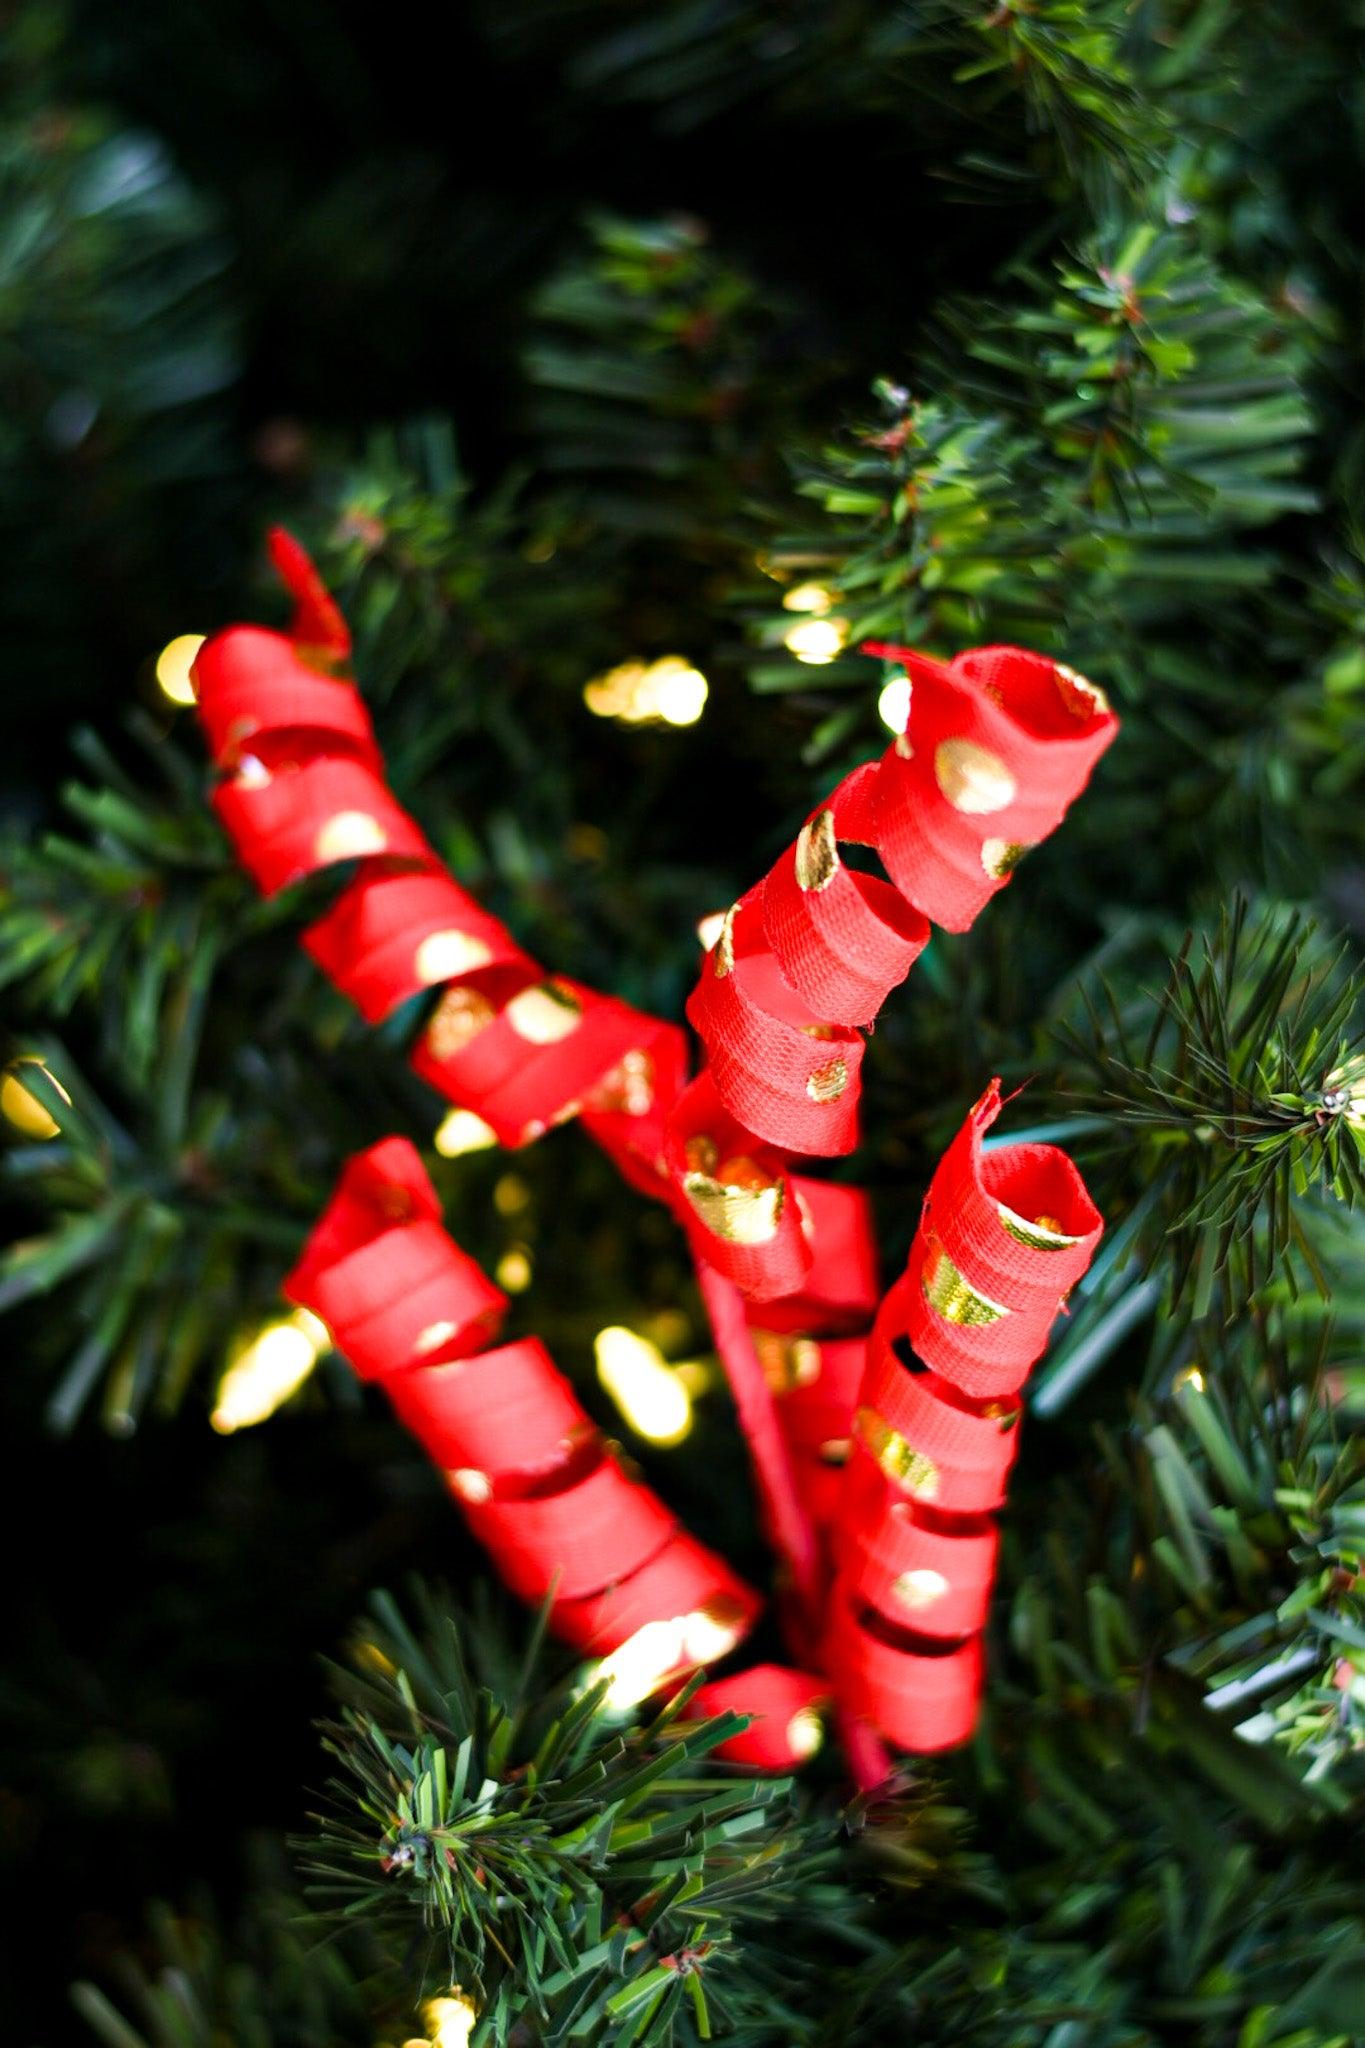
[
  {"x": 953, "y": 1297},
  {"x": 443, "y": 955},
  {"x": 920, "y": 1588},
  {"x": 701, "y": 1154},
  {"x": 1041, "y": 1234},
  {"x": 738, "y": 1200},
  {"x": 911, "y": 1470},
  {"x": 817, "y": 853},
  {"x": 828, "y": 1083},
  {"x": 348, "y": 836},
  {"x": 974, "y": 780},
  {"x": 545, "y": 1014},
  {"x": 723, "y": 953},
  {"x": 460, "y": 1016},
  {"x": 475, "y": 1487},
  {"x": 434, "y": 1334},
  {"x": 1000, "y": 857},
  {"x": 788, "y": 1362},
  {"x": 1081, "y": 697}
]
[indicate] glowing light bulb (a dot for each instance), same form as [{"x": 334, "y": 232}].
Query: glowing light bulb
[
  {"x": 678, "y": 690},
  {"x": 660, "y": 1650},
  {"x": 642, "y": 1663},
  {"x": 1192, "y": 1378},
  {"x": 816, "y": 641},
  {"x": 652, "y": 1399},
  {"x": 893, "y": 706},
  {"x": 461, "y": 1131},
  {"x": 173, "y": 666},
  {"x": 449, "y": 2021},
  {"x": 269, "y": 1368},
  {"x": 635, "y": 692},
  {"x": 21, "y": 1107},
  {"x": 511, "y": 1195},
  {"x": 513, "y": 1270},
  {"x": 808, "y": 597}
]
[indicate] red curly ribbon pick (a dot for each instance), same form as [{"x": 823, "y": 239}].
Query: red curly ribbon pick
[
  {"x": 785, "y": 1728},
  {"x": 999, "y": 743},
  {"x": 1002, "y": 1237},
  {"x": 525, "y": 1461}
]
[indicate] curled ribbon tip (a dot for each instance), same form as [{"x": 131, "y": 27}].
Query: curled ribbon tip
[
  {"x": 1002, "y": 1238},
  {"x": 318, "y": 623}
]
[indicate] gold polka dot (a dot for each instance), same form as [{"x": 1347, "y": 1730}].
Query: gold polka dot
[
  {"x": 828, "y": 1083},
  {"x": 348, "y": 836},
  {"x": 787, "y": 1361},
  {"x": 738, "y": 1200},
  {"x": 475, "y": 1487},
  {"x": 817, "y": 853},
  {"x": 913, "y": 1471},
  {"x": 460, "y": 1016},
  {"x": 974, "y": 780},
  {"x": 1000, "y": 857},
  {"x": 920, "y": 1588},
  {"x": 544, "y": 1014},
  {"x": 951, "y": 1295},
  {"x": 1081, "y": 697},
  {"x": 1040, "y": 1233},
  {"x": 434, "y": 1334},
  {"x": 723, "y": 956},
  {"x": 442, "y": 956}
]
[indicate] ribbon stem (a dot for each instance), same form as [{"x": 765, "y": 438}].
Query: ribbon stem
[
  {"x": 869, "y": 1760},
  {"x": 788, "y": 1523}
]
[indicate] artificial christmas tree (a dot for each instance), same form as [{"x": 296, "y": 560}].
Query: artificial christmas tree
[{"x": 611, "y": 657}]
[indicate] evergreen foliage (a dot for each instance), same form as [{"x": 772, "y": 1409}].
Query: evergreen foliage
[{"x": 1099, "y": 262}]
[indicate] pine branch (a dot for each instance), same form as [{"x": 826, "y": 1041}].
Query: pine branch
[{"x": 568, "y": 1867}]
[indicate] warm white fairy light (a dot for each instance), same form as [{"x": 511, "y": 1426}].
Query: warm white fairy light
[
  {"x": 816, "y": 641},
  {"x": 513, "y": 1270},
  {"x": 449, "y": 2021},
  {"x": 652, "y": 1399},
  {"x": 710, "y": 928},
  {"x": 808, "y": 597},
  {"x": 267, "y": 1369},
  {"x": 893, "y": 705},
  {"x": 461, "y": 1131},
  {"x": 659, "y": 1650},
  {"x": 21, "y": 1107},
  {"x": 173, "y": 666},
  {"x": 638, "y": 692}
]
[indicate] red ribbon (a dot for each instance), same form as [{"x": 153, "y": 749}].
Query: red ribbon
[
  {"x": 1002, "y": 1237},
  {"x": 999, "y": 742},
  {"x": 524, "y": 1460}
]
